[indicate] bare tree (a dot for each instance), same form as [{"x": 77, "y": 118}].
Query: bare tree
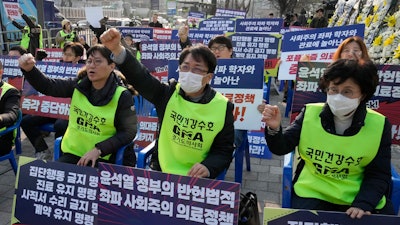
[
  {"x": 284, "y": 6},
  {"x": 242, "y": 5}
]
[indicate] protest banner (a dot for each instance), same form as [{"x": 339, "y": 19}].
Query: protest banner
[
  {"x": 54, "y": 193},
  {"x": 319, "y": 44},
  {"x": 59, "y": 193},
  {"x": 35, "y": 103},
  {"x": 11, "y": 72},
  {"x": 141, "y": 197}
]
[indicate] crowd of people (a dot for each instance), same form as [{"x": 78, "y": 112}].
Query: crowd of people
[{"x": 105, "y": 86}]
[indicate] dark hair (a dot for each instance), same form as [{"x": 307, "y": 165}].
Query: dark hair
[
  {"x": 19, "y": 48},
  {"x": 320, "y": 10},
  {"x": 200, "y": 53},
  {"x": 349, "y": 40},
  {"x": 221, "y": 39},
  {"x": 362, "y": 72},
  {"x": 77, "y": 48},
  {"x": 105, "y": 52}
]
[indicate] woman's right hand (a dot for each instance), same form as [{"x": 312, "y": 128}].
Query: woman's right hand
[
  {"x": 26, "y": 62},
  {"x": 272, "y": 116}
]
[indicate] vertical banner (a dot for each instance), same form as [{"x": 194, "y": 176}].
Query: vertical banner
[{"x": 55, "y": 193}]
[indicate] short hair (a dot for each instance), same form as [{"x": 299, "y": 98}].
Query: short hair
[
  {"x": 19, "y": 48},
  {"x": 221, "y": 39},
  {"x": 200, "y": 53},
  {"x": 349, "y": 40},
  {"x": 77, "y": 48},
  {"x": 320, "y": 10},
  {"x": 362, "y": 72},
  {"x": 105, "y": 52}
]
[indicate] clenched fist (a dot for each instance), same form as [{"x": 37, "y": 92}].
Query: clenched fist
[
  {"x": 272, "y": 116},
  {"x": 111, "y": 39},
  {"x": 26, "y": 62}
]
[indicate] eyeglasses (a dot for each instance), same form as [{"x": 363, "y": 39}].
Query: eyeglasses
[
  {"x": 96, "y": 62},
  {"x": 345, "y": 92},
  {"x": 219, "y": 48},
  {"x": 186, "y": 68},
  {"x": 352, "y": 51}
]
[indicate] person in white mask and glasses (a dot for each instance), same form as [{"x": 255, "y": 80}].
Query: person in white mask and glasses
[
  {"x": 344, "y": 147},
  {"x": 196, "y": 131}
]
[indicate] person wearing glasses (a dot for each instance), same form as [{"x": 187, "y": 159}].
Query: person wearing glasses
[
  {"x": 102, "y": 117},
  {"x": 222, "y": 48},
  {"x": 196, "y": 122},
  {"x": 344, "y": 148},
  {"x": 30, "y": 124}
]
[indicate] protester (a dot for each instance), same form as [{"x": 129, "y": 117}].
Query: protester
[
  {"x": 344, "y": 147},
  {"x": 351, "y": 48},
  {"x": 66, "y": 34},
  {"x": 208, "y": 150},
  {"x": 30, "y": 124},
  {"x": 183, "y": 34},
  {"x": 319, "y": 20},
  {"x": 82, "y": 41},
  {"x": 222, "y": 48},
  {"x": 9, "y": 109},
  {"x": 32, "y": 37},
  {"x": 101, "y": 119},
  {"x": 154, "y": 22},
  {"x": 17, "y": 50},
  {"x": 302, "y": 18},
  {"x": 99, "y": 30}
]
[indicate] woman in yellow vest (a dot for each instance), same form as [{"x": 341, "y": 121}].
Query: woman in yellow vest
[
  {"x": 102, "y": 117},
  {"x": 66, "y": 34},
  {"x": 344, "y": 147},
  {"x": 196, "y": 122}
]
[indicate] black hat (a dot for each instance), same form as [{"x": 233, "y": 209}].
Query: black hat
[{"x": 320, "y": 9}]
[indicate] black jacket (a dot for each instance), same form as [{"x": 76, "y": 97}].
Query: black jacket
[
  {"x": 9, "y": 108},
  {"x": 377, "y": 177},
  {"x": 220, "y": 155},
  {"x": 125, "y": 119}
]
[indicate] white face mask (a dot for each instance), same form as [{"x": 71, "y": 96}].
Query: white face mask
[
  {"x": 190, "y": 82},
  {"x": 341, "y": 105}
]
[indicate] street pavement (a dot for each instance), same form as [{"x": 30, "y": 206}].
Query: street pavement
[{"x": 264, "y": 179}]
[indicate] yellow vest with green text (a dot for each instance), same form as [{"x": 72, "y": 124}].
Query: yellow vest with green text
[
  {"x": 188, "y": 131},
  {"x": 89, "y": 124},
  {"x": 63, "y": 34},
  {"x": 334, "y": 165},
  {"x": 25, "y": 37},
  {"x": 4, "y": 88}
]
